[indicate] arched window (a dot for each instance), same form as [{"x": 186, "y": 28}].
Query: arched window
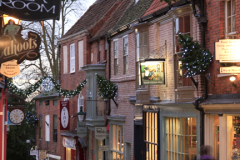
[{"x": 80, "y": 102}]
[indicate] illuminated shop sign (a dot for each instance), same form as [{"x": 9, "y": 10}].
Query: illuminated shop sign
[
  {"x": 13, "y": 46},
  {"x": 32, "y": 10},
  {"x": 227, "y": 50},
  {"x": 152, "y": 72}
]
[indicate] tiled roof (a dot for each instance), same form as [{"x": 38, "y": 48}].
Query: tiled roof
[
  {"x": 94, "y": 14},
  {"x": 155, "y": 6},
  {"x": 134, "y": 12},
  {"x": 113, "y": 19}
]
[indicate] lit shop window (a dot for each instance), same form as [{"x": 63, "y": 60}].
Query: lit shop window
[
  {"x": 181, "y": 138},
  {"x": 151, "y": 135},
  {"x": 117, "y": 145}
]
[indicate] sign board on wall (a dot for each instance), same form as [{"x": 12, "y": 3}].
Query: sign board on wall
[
  {"x": 100, "y": 133},
  {"x": 230, "y": 70},
  {"x": 32, "y": 10},
  {"x": 69, "y": 143},
  {"x": 10, "y": 68},
  {"x": 81, "y": 129},
  {"x": 42, "y": 154},
  {"x": 152, "y": 72},
  {"x": 103, "y": 148},
  {"x": 14, "y": 47},
  {"x": 64, "y": 112},
  {"x": 227, "y": 50}
]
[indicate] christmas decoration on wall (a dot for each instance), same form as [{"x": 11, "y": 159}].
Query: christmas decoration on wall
[
  {"x": 66, "y": 93},
  {"x": 107, "y": 89},
  {"x": 47, "y": 84},
  {"x": 195, "y": 59}
]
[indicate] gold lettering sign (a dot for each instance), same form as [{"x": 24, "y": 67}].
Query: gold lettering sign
[
  {"x": 10, "y": 68},
  {"x": 13, "y": 46}
]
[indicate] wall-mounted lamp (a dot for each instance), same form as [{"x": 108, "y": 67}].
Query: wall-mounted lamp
[
  {"x": 232, "y": 79},
  {"x": 6, "y": 19},
  {"x": 81, "y": 115}
]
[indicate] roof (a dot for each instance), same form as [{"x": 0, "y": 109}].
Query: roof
[
  {"x": 134, "y": 12},
  {"x": 94, "y": 14},
  {"x": 47, "y": 95},
  {"x": 109, "y": 24},
  {"x": 155, "y": 6}
]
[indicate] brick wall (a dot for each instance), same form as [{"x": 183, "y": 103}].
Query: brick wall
[
  {"x": 215, "y": 31},
  {"x": 55, "y": 148},
  {"x": 126, "y": 87}
]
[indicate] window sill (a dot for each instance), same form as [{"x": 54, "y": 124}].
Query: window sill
[{"x": 72, "y": 72}]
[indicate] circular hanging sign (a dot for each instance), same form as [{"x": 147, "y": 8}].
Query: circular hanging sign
[
  {"x": 64, "y": 117},
  {"x": 47, "y": 84}
]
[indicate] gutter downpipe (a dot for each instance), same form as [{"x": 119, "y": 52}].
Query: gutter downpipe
[
  {"x": 205, "y": 95},
  {"x": 109, "y": 73}
]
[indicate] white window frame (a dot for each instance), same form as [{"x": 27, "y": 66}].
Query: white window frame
[
  {"x": 115, "y": 56},
  {"x": 125, "y": 54},
  {"x": 173, "y": 136},
  {"x": 72, "y": 58},
  {"x": 178, "y": 72},
  {"x": 47, "y": 128},
  {"x": 65, "y": 60},
  {"x": 231, "y": 16},
  {"x": 80, "y": 55}
]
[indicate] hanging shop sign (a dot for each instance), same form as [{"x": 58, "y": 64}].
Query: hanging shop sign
[
  {"x": 64, "y": 112},
  {"x": 31, "y": 10},
  {"x": 100, "y": 133},
  {"x": 13, "y": 46},
  {"x": 103, "y": 148},
  {"x": 81, "y": 129},
  {"x": 152, "y": 72},
  {"x": 230, "y": 70},
  {"x": 227, "y": 50},
  {"x": 42, "y": 154},
  {"x": 10, "y": 68},
  {"x": 69, "y": 143}
]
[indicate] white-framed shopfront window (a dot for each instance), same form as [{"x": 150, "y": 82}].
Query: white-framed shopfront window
[
  {"x": 117, "y": 142},
  {"x": 181, "y": 138}
]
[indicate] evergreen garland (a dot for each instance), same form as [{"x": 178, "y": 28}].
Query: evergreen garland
[
  {"x": 195, "y": 59},
  {"x": 107, "y": 89},
  {"x": 24, "y": 93}
]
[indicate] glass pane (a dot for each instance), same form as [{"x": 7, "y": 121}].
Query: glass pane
[
  {"x": 156, "y": 129},
  {"x": 152, "y": 128},
  {"x": 114, "y": 155},
  {"x": 150, "y": 131},
  {"x": 187, "y": 24},
  {"x": 147, "y": 126},
  {"x": 229, "y": 25},
  {"x": 181, "y": 24},
  {"x": 233, "y": 23},
  {"x": 233, "y": 7},
  {"x": 228, "y": 8},
  {"x": 100, "y": 153},
  {"x": 114, "y": 137},
  {"x": 147, "y": 151}
]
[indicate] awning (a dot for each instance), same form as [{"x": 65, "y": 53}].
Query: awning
[
  {"x": 66, "y": 134},
  {"x": 82, "y": 142}
]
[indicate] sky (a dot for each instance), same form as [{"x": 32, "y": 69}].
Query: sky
[{"x": 74, "y": 17}]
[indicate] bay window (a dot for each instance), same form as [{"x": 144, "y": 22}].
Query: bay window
[{"x": 182, "y": 25}]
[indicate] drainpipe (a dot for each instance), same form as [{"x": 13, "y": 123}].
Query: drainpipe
[
  {"x": 202, "y": 21},
  {"x": 59, "y": 56}
]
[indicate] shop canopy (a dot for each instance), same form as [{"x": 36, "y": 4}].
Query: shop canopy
[{"x": 31, "y": 10}]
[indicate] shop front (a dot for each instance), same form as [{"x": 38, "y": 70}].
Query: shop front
[{"x": 222, "y": 127}]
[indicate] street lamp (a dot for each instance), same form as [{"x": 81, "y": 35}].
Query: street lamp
[
  {"x": 81, "y": 115},
  {"x": 6, "y": 19}
]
